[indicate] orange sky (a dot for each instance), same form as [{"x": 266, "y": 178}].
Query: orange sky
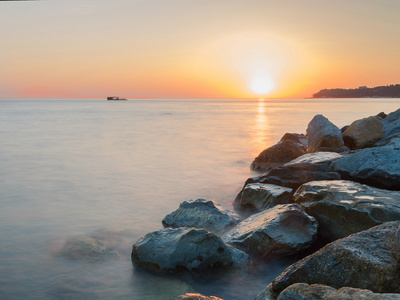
[{"x": 195, "y": 48}]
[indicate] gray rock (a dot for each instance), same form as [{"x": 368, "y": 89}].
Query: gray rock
[
  {"x": 195, "y": 296},
  {"x": 363, "y": 133},
  {"x": 201, "y": 213},
  {"x": 261, "y": 196},
  {"x": 303, "y": 291},
  {"x": 278, "y": 155},
  {"x": 294, "y": 175},
  {"x": 366, "y": 260},
  {"x": 322, "y": 133},
  {"x": 390, "y": 128},
  {"x": 89, "y": 249},
  {"x": 174, "y": 250},
  {"x": 315, "y": 158},
  {"x": 342, "y": 149},
  {"x": 282, "y": 230},
  {"x": 392, "y": 141},
  {"x": 378, "y": 167},
  {"x": 393, "y": 116},
  {"x": 297, "y": 138},
  {"x": 345, "y": 207}
]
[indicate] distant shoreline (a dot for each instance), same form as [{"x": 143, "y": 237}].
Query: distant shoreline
[{"x": 388, "y": 91}]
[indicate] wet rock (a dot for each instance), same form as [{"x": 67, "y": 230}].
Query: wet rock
[
  {"x": 89, "y": 249},
  {"x": 366, "y": 260},
  {"x": 201, "y": 213},
  {"x": 297, "y": 138},
  {"x": 363, "y": 133},
  {"x": 378, "y": 167},
  {"x": 315, "y": 158},
  {"x": 322, "y": 133},
  {"x": 261, "y": 196},
  {"x": 174, "y": 250},
  {"x": 303, "y": 291},
  {"x": 294, "y": 175},
  {"x": 192, "y": 296},
  {"x": 277, "y": 155},
  {"x": 282, "y": 230},
  {"x": 345, "y": 207}
]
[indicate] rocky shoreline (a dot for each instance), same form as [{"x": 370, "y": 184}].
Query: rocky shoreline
[{"x": 336, "y": 188}]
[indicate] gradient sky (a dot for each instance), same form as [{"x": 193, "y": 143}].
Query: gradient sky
[{"x": 194, "y": 48}]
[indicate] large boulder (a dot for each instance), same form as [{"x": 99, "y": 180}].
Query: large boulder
[
  {"x": 88, "y": 249},
  {"x": 378, "y": 167},
  {"x": 277, "y": 155},
  {"x": 391, "y": 124},
  {"x": 315, "y": 158},
  {"x": 393, "y": 116},
  {"x": 282, "y": 230},
  {"x": 345, "y": 207},
  {"x": 261, "y": 196},
  {"x": 174, "y": 250},
  {"x": 366, "y": 260},
  {"x": 322, "y": 133},
  {"x": 201, "y": 213},
  {"x": 294, "y": 175},
  {"x": 303, "y": 291},
  {"x": 195, "y": 296},
  {"x": 363, "y": 133}
]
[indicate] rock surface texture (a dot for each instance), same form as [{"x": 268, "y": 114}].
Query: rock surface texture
[
  {"x": 363, "y": 133},
  {"x": 192, "y": 296},
  {"x": 303, "y": 291},
  {"x": 277, "y": 155},
  {"x": 261, "y": 196},
  {"x": 345, "y": 207},
  {"x": 366, "y": 260},
  {"x": 315, "y": 158},
  {"x": 378, "y": 167},
  {"x": 173, "y": 250},
  {"x": 322, "y": 133},
  {"x": 201, "y": 213},
  {"x": 282, "y": 230}
]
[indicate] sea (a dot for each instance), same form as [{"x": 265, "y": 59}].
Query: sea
[{"x": 79, "y": 169}]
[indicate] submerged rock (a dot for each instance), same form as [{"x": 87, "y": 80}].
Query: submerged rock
[
  {"x": 174, "y": 250},
  {"x": 192, "y": 296},
  {"x": 378, "y": 167},
  {"x": 201, "y": 213},
  {"x": 345, "y": 207},
  {"x": 277, "y": 155},
  {"x": 282, "y": 230},
  {"x": 261, "y": 196},
  {"x": 322, "y": 133},
  {"x": 90, "y": 249},
  {"x": 366, "y": 260},
  {"x": 363, "y": 133},
  {"x": 303, "y": 291}
]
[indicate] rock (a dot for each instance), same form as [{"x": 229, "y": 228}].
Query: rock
[
  {"x": 282, "y": 230},
  {"x": 315, "y": 158},
  {"x": 303, "y": 291},
  {"x": 363, "y": 133},
  {"x": 90, "y": 249},
  {"x": 261, "y": 196},
  {"x": 381, "y": 115},
  {"x": 294, "y": 175},
  {"x": 277, "y": 155},
  {"x": 345, "y": 207},
  {"x": 191, "y": 296},
  {"x": 392, "y": 141},
  {"x": 366, "y": 260},
  {"x": 297, "y": 138},
  {"x": 322, "y": 133},
  {"x": 378, "y": 167},
  {"x": 174, "y": 250},
  {"x": 342, "y": 149},
  {"x": 201, "y": 213},
  {"x": 344, "y": 128},
  {"x": 393, "y": 116},
  {"x": 391, "y": 128}
]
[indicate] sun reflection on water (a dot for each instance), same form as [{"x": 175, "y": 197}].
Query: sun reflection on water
[{"x": 261, "y": 128}]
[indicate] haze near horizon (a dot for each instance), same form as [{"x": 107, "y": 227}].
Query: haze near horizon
[{"x": 195, "y": 49}]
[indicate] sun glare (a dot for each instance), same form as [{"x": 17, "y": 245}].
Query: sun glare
[{"x": 261, "y": 85}]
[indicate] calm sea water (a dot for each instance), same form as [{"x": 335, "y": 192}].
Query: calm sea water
[{"x": 75, "y": 169}]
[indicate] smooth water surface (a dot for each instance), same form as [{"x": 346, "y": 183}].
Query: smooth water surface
[{"x": 75, "y": 169}]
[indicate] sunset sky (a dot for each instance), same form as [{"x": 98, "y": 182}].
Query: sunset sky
[{"x": 196, "y": 48}]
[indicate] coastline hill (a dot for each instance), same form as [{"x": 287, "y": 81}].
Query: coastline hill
[{"x": 388, "y": 91}]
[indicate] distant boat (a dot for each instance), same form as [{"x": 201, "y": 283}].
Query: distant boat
[{"x": 113, "y": 98}]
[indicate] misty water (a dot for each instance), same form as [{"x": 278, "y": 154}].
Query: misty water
[{"x": 76, "y": 169}]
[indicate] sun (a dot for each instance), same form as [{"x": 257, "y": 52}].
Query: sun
[{"x": 261, "y": 85}]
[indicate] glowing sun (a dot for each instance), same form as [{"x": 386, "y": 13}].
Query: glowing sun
[{"x": 261, "y": 85}]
